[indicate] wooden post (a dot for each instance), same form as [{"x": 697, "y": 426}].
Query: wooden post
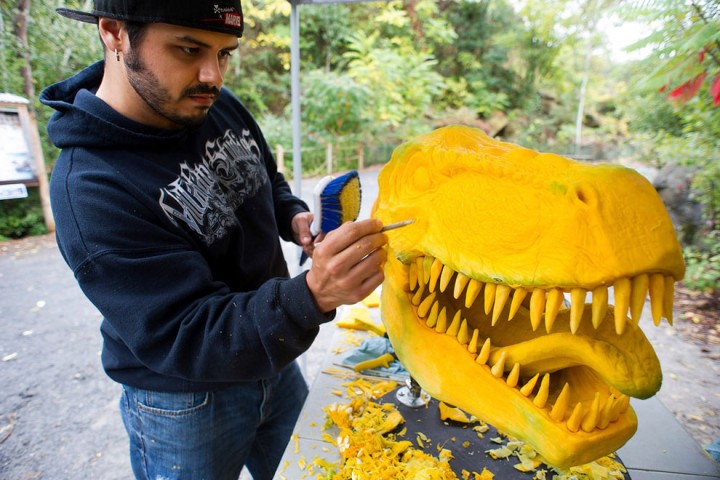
[
  {"x": 361, "y": 156},
  {"x": 26, "y": 115},
  {"x": 329, "y": 158},
  {"x": 280, "y": 158}
]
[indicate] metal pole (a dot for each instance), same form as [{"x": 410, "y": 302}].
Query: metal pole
[
  {"x": 295, "y": 105},
  {"x": 295, "y": 95}
]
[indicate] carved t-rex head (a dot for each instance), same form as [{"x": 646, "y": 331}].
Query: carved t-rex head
[{"x": 476, "y": 290}]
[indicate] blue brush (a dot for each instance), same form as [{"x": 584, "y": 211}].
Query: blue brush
[{"x": 336, "y": 201}]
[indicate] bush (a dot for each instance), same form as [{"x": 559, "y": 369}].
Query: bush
[
  {"x": 22, "y": 217},
  {"x": 703, "y": 264}
]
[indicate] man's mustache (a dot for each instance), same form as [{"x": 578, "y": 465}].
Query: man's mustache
[{"x": 201, "y": 89}]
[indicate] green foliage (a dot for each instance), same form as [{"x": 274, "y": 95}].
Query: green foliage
[
  {"x": 21, "y": 217},
  {"x": 402, "y": 79},
  {"x": 334, "y": 104},
  {"x": 649, "y": 113},
  {"x": 475, "y": 63},
  {"x": 703, "y": 264}
]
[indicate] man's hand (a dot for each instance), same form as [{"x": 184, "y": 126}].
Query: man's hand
[
  {"x": 301, "y": 231},
  {"x": 348, "y": 264}
]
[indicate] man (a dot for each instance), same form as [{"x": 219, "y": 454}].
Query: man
[{"x": 169, "y": 209}]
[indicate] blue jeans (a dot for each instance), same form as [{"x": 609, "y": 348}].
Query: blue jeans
[{"x": 211, "y": 435}]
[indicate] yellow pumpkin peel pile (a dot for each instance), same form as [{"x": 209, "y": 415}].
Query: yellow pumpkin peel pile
[
  {"x": 367, "y": 448},
  {"x": 370, "y": 450}
]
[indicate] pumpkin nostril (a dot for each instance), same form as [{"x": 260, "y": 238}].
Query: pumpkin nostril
[{"x": 585, "y": 194}]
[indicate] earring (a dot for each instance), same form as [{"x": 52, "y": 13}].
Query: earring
[{"x": 117, "y": 55}]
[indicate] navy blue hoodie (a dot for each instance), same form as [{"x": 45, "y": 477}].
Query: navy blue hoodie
[{"x": 174, "y": 236}]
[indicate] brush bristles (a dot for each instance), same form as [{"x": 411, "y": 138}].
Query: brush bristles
[{"x": 340, "y": 201}]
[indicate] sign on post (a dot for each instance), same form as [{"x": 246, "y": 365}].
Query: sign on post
[
  {"x": 21, "y": 160},
  {"x": 13, "y": 190},
  {"x": 16, "y": 162}
]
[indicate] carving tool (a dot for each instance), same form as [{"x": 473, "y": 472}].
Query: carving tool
[{"x": 393, "y": 226}]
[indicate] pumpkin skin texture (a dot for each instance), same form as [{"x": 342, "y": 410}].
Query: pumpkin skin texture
[{"x": 475, "y": 289}]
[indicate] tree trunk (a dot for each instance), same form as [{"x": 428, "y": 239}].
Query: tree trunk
[
  {"x": 581, "y": 101},
  {"x": 20, "y": 30}
]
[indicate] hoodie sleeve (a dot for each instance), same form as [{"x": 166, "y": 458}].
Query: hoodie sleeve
[{"x": 180, "y": 323}]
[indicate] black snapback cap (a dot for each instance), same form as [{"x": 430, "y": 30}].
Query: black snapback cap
[{"x": 224, "y": 16}]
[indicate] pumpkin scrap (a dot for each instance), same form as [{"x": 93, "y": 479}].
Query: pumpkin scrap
[
  {"x": 372, "y": 300},
  {"x": 475, "y": 291},
  {"x": 484, "y": 475},
  {"x": 604, "y": 468},
  {"x": 383, "y": 360},
  {"x": 357, "y": 317},
  {"x": 369, "y": 451},
  {"x": 452, "y": 413}
]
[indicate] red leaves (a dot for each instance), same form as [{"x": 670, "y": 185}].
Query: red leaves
[
  {"x": 715, "y": 91},
  {"x": 690, "y": 88},
  {"x": 687, "y": 90}
]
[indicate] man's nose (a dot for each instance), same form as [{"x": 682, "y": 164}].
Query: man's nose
[{"x": 211, "y": 72}]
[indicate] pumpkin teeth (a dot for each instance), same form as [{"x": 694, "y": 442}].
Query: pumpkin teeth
[
  {"x": 541, "y": 397},
  {"x": 499, "y": 368},
  {"x": 514, "y": 376},
  {"x": 573, "y": 423},
  {"x": 590, "y": 421},
  {"x": 528, "y": 388},
  {"x": 429, "y": 274},
  {"x": 561, "y": 404},
  {"x": 502, "y": 293},
  {"x": 454, "y": 327},
  {"x": 428, "y": 279},
  {"x": 555, "y": 299},
  {"x": 484, "y": 354},
  {"x": 473, "y": 290},
  {"x": 577, "y": 306},
  {"x": 599, "y": 305},
  {"x": 518, "y": 297},
  {"x": 435, "y": 269},
  {"x": 460, "y": 282},
  {"x": 473, "y": 344}
]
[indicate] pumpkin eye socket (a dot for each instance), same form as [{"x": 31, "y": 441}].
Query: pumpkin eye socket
[
  {"x": 421, "y": 180},
  {"x": 415, "y": 182}
]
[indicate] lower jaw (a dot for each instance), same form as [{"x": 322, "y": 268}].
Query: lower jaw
[{"x": 447, "y": 372}]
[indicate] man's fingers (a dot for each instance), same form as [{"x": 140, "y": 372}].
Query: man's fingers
[
  {"x": 348, "y": 264},
  {"x": 348, "y": 233}
]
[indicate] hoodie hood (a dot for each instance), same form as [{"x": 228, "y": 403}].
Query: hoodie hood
[{"x": 81, "y": 119}]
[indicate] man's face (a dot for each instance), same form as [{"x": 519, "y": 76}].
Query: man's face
[{"x": 177, "y": 73}]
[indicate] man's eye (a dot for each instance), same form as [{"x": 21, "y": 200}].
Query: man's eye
[
  {"x": 190, "y": 50},
  {"x": 225, "y": 54}
]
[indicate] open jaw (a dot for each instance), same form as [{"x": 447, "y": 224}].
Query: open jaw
[{"x": 522, "y": 359}]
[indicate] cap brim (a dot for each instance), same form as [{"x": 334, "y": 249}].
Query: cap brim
[{"x": 77, "y": 15}]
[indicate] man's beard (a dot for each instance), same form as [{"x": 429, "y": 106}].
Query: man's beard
[{"x": 148, "y": 87}]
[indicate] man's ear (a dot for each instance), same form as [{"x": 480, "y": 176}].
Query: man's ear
[{"x": 112, "y": 34}]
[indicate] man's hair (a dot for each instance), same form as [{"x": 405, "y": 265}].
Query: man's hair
[{"x": 136, "y": 33}]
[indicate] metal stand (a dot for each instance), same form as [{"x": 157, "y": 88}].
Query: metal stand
[{"x": 411, "y": 395}]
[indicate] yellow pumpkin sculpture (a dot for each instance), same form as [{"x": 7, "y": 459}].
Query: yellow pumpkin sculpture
[{"x": 474, "y": 299}]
